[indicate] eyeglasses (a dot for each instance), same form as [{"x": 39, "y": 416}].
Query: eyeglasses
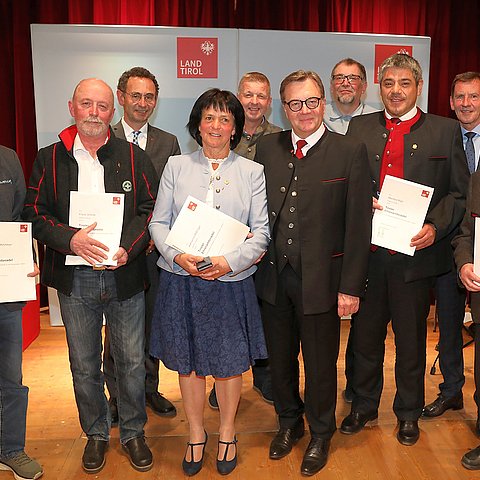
[
  {"x": 136, "y": 97},
  {"x": 296, "y": 105},
  {"x": 340, "y": 78}
]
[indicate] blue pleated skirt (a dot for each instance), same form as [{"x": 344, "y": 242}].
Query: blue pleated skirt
[{"x": 209, "y": 327}]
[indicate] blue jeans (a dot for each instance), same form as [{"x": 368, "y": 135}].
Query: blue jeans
[
  {"x": 13, "y": 395},
  {"x": 93, "y": 295}
]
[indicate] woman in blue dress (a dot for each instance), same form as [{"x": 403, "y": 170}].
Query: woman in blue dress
[{"x": 208, "y": 322}]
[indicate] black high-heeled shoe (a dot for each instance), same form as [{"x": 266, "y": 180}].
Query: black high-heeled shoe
[
  {"x": 192, "y": 468},
  {"x": 225, "y": 466}
]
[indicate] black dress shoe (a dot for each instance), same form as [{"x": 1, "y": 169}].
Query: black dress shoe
[
  {"x": 315, "y": 457},
  {"x": 160, "y": 405},
  {"x": 355, "y": 422},
  {"x": 285, "y": 439},
  {"x": 212, "y": 399},
  {"x": 471, "y": 460},
  {"x": 93, "y": 459},
  {"x": 139, "y": 454},
  {"x": 442, "y": 404},
  {"x": 408, "y": 432},
  {"x": 112, "y": 403}
]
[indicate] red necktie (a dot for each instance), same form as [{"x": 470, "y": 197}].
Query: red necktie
[{"x": 298, "y": 152}]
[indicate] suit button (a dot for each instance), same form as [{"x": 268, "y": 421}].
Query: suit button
[
  {"x": 274, "y": 214},
  {"x": 290, "y": 165},
  {"x": 271, "y": 263},
  {"x": 294, "y": 194},
  {"x": 217, "y": 177},
  {"x": 217, "y": 190},
  {"x": 289, "y": 241},
  {"x": 217, "y": 207},
  {"x": 384, "y": 135},
  {"x": 377, "y": 157},
  {"x": 283, "y": 189}
]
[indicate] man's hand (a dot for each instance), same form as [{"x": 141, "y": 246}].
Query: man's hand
[
  {"x": 347, "y": 304},
  {"x": 151, "y": 247},
  {"x": 469, "y": 278},
  {"x": 36, "y": 271},
  {"x": 87, "y": 247},
  {"x": 425, "y": 237},
  {"x": 375, "y": 205},
  {"x": 121, "y": 257}
]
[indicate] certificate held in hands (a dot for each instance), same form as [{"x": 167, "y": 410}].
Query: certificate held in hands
[
  {"x": 204, "y": 231},
  {"x": 405, "y": 205},
  {"x": 16, "y": 262},
  {"x": 104, "y": 208}
]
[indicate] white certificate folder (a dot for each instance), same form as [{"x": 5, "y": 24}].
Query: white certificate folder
[
  {"x": 202, "y": 230},
  {"x": 104, "y": 208},
  {"x": 405, "y": 205},
  {"x": 16, "y": 262}
]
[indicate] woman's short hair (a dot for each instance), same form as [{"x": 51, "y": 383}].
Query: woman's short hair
[{"x": 221, "y": 100}]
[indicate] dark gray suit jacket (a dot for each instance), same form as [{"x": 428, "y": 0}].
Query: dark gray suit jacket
[{"x": 160, "y": 145}]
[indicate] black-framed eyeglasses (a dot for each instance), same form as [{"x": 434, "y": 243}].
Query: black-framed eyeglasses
[
  {"x": 136, "y": 97},
  {"x": 296, "y": 105},
  {"x": 352, "y": 78}
]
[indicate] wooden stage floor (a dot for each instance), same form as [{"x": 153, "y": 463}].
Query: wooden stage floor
[{"x": 54, "y": 436}]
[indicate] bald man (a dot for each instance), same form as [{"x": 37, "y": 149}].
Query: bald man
[{"x": 90, "y": 159}]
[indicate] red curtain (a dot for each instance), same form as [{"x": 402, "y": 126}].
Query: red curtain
[{"x": 452, "y": 25}]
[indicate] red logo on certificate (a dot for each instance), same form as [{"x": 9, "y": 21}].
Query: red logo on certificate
[
  {"x": 116, "y": 200},
  {"x": 425, "y": 193},
  {"x": 23, "y": 228},
  {"x": 192, "y": 206},
  {"x": 382, "y": 52},
  {"x": 197, "y": 57}
]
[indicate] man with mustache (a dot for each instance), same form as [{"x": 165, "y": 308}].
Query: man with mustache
[
  {"x": 137, "y": 93},
  {"x": 90, "y": 159},
  {"x": 404, "y": 142},
  {"x": 348, "y": 84}
]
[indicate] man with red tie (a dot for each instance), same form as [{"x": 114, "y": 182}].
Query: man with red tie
[
  {"x": 314, "y": 271},
  {"x": 404, "y": 142}
]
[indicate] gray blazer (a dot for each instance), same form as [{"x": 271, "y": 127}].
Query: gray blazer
[
  {"x": 239, "y": 191},
  {"x": 160, "y": 145}
]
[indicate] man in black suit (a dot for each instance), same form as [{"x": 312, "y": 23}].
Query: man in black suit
[
  {"x": 404, "y": 142},
  {"x": 137, "y": 93},
  {"x": 314, "y": 271}
]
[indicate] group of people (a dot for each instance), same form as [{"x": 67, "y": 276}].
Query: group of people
[{"x": 307, "y": 195}]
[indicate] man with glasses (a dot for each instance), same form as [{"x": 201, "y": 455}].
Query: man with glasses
[
  {"x": 137, "y": 93},
  {"x": 348, "y": 84},
  {"x": 404, "y": 142},
  {"x": 314, "y": 271}
]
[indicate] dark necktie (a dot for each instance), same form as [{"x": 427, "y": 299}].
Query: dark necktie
[
  {"x": 470, "y": 151},
  {"x": 298, "y": 152},
  {"x": 136, "y": 134}
]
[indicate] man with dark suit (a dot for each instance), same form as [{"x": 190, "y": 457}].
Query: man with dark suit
[
  {"x": 404, "y": 142},
  {"x": 450, "y": 308},
  {"x": 137, "y": 93},
  {"x": 314, "y": 271}
]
